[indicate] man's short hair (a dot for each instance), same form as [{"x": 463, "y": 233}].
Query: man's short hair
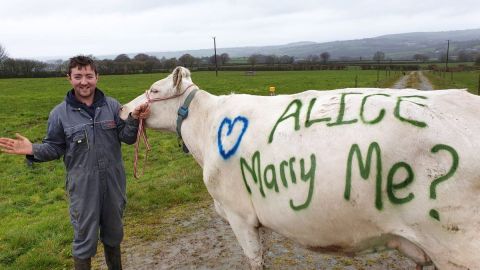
[{"x": 81, "y": 61}]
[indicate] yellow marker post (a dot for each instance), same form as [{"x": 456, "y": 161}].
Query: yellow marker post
[{"x": 271, "y": 89}]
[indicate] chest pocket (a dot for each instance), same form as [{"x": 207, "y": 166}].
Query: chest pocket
[
  {"x": 109, "y": 128},
  {"x": 108, "y": 124},
  {"x": 77, "y": 139}
]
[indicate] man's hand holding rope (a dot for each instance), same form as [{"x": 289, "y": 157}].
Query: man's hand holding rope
[{"x": 141, "y": 111}]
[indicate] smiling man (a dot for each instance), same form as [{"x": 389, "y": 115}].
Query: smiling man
[{"x": 86, "y": 130}]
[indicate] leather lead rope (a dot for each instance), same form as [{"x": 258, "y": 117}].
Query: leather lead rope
[{"x": 143, "y": 134}]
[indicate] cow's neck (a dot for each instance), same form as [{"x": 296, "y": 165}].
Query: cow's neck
[{"x": 195, "y": 126}]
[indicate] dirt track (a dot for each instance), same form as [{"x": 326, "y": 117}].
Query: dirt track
[{"x": 414, "y": 79}]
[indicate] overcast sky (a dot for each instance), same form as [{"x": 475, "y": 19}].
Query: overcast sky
[{"x": 46, "y": 28}]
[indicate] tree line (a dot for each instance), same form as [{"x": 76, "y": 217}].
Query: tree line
[{"x": 144, "y": 63}]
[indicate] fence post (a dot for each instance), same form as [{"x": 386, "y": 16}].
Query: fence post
[{"x": 356, "y": 81}]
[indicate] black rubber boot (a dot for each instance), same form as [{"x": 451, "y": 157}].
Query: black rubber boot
[
  {"x": 82, "y": 264},
  {"x": 113, "y": 257}
]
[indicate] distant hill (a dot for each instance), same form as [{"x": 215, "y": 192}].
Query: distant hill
[{"x": 395, "y": 46}]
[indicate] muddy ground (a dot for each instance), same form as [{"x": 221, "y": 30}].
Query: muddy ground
[{"x": 196, "y": 237}]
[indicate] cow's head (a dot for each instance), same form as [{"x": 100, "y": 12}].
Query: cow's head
[{"x": 165, "y": 97}]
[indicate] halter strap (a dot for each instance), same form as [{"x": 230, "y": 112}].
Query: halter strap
[
  {"x": 151, "y": 100},
  {"x": 182, "y": 114}
]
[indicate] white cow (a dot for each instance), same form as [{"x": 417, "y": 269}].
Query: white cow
[{"x": 342, "y": 171}]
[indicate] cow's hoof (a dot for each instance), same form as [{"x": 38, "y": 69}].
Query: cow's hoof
[{"x": 256, "y": 265}]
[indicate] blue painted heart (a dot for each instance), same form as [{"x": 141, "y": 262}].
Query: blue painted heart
[{"x": 227, "y": 123}]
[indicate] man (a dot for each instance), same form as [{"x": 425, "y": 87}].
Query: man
[{"x": 86, "y": 129}]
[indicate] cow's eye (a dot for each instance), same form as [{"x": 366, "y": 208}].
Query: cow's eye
[{"x": 154, "y": 91}]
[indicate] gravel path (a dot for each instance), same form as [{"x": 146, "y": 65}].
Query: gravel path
[
  {"x": 402, "y": 82},
  {"x": 415, "y": 80},
  {"x": 424, "y": 82}
]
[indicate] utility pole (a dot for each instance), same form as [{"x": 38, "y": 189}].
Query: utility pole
[
  {"x": 215, "y": 49},
  {"x": 446, "y": 61}
]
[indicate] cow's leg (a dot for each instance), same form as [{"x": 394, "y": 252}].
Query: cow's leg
[
  {"x": 248, "y": 236},
  {"x": 420, "y": 267},
  {"x": 410, "y": 250},
  {"x": 219, "y": 209}
]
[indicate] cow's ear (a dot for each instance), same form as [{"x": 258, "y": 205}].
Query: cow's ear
[{"x": 179, "y": 73}]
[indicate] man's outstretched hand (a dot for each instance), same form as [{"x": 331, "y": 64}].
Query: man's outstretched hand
[{"x": 18, "y": 146}]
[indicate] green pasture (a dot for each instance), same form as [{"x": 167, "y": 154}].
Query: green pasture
[
  {"x": 35, "y": 231},
  {"x": 449, "y": 80}
]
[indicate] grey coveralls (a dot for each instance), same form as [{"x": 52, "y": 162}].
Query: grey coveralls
[{"x": 95, "y": 173}]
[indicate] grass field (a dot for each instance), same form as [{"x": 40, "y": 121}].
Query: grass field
[
  {"x": 35, "y": 231},
  {"x": 467, "y": 79}
]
